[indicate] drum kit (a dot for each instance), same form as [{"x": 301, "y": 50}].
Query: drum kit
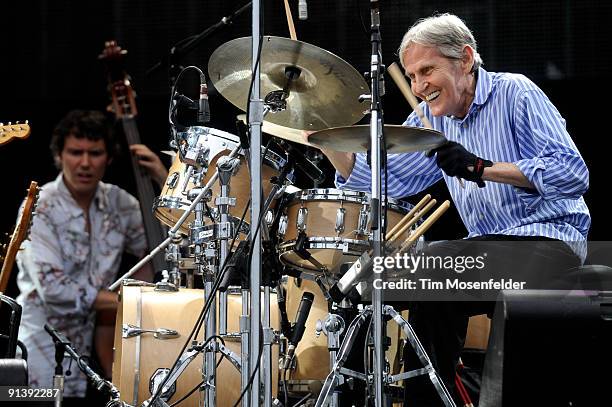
[{"x": 302, "y": 242}]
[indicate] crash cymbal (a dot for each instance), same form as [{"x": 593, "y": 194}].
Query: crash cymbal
[
  {"x": 286, "y": 133},
  {"x": 399, "y": 139},
  {"x": 325, "y": 93}
]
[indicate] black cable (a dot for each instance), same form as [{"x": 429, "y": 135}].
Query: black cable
[
  {"x": 196, "y": 387},
  {"x": 188, "y": 394}
]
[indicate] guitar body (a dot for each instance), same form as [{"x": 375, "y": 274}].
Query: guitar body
[{"x": 19, "y": 235}]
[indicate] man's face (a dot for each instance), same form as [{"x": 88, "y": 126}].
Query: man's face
[
  {"x": 83, "y": 164},
  {"x": 444, "y": 84}
]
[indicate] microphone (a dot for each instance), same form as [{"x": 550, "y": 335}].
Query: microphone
[
  {"x": 303, "y": 10},
  {"x": 204, "y": 107},
  {"x": 300, "y": 326},
  {"x": 308, "y": 167},
  {"x": 349, "y": 280}
]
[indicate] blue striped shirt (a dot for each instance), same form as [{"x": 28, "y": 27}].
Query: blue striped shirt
[{"x": 510, "y": 120}]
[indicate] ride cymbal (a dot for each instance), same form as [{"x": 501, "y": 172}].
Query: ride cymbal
[
  {"x": 399, "y": 139},
  {"x": 323, "y": 89}
]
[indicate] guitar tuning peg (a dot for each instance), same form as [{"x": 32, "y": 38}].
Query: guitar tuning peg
[{"x": 10, "y": 123}]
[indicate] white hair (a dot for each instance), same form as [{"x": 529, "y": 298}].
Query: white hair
[{"x": 447, "y": 32}]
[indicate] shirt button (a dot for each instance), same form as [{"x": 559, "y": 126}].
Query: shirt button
[
  {"x": 464, "y": 125},
  {"x": 481, "y": 217}
]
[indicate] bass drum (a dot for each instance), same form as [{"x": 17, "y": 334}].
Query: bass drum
[
  {"x": 137, "y": 358},
  {"x": 312, "y": 360}
]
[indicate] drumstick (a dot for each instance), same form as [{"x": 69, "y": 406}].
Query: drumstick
[
  {"x": 424, "y": 226},
  {"x": 408, "y": 216},
  {"x": 290, "y": 21},
  {"x": 403, "y": 86},
  {"x": 418, "y": 216}
]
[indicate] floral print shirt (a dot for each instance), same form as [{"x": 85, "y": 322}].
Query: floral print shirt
[{"x": 62, "y": 267}]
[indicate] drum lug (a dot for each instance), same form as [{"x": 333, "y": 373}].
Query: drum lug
[
  {"x": 302, "y": 218},
  {"x": 130, "y": 331},
  {"x": 173, "y": 180},
  {"x": 269, "y": 218},
  {"x": 362, "y": 224},
  {"x": 340, "y": 220},
  {"x": 282, "y": 226}
]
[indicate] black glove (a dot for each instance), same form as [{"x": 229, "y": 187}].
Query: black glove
[{"x": 454, "y": 160}]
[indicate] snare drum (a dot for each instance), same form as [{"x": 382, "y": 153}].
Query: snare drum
[
  {"x": 173, "y": 201},
  {"x": 137, "y": 358},
  {"x": 336, "y": 226}
]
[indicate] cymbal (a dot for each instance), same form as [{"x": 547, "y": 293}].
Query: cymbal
[
  {"x": 399, "y": 139},
  {"x": 286, "y": 133},
  {"x": 325, "y": 94}
]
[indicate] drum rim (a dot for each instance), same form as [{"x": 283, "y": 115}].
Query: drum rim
[
  {"x": 205, "y": 130},
  {"x": 347, "y": 195}
]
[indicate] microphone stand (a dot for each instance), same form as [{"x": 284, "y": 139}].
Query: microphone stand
[
  {"x": 185, "y": 45},
  {"x": 62, "y": 344},
  {"x": 58, "y": 377}
]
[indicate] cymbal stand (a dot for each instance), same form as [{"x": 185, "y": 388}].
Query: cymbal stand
[
  {"x": 204, "y": 258},
  {"x": 376, "y": 139},
  {"x": 332, "y": 327},
  {"x": 255, "y": 122},
  {"x": 225, "y": 229}
]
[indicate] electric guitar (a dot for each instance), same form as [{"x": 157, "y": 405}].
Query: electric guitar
[
  {"x": 10, "y": 131},
  {"x": 19, "y": 235}
]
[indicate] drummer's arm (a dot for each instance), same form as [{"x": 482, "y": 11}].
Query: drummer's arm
[{"x": 342, "y": 162}]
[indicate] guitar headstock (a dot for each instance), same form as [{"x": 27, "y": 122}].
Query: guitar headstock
[
  {"x": 123, "y": 100},
  {"x": 11, "y": 131}
]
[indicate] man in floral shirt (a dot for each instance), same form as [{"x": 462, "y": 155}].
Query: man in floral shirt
[{"x": 81, "y": 229}]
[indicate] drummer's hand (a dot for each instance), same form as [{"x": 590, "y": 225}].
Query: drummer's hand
[
  {"x": 151, "y": 162},
  {"x": 342, "y": 162}
]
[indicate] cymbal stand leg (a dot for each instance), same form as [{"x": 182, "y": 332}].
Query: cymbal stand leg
[
  {"x": 335, "y": 377},
  {"x": 422, "y": 355},
  {"x": 245, "y": 372},
  {"x": 268, "y": 339}
]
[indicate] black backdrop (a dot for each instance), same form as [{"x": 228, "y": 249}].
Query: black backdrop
[{"x": 49, "y": 65}]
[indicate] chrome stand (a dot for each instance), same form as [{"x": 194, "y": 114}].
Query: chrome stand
[
  {"x": 255, "y": 122},
  {"x": 335, "y": 377}
]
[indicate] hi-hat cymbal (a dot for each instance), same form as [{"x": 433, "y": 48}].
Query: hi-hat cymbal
[
  {"x": 325, "y": 94},
  {"x": 286, "y": 133},
  {"x": 399, "y": 139}
]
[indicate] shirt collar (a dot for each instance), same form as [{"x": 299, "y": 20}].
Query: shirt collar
[
  {"x": 483, "y": 87},
  {"x": 100, "y": 198}
]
